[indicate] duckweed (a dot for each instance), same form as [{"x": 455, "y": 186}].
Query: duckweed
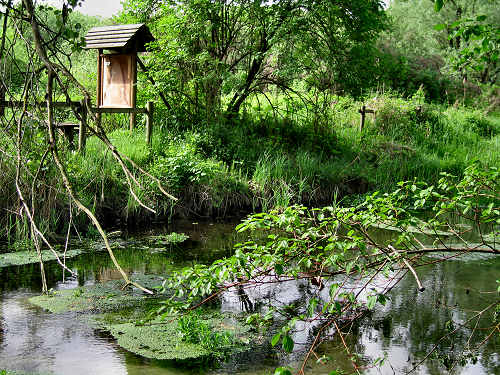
[
  {"x": 96, "y": 298},
  {"x": 21, "y": 258}
]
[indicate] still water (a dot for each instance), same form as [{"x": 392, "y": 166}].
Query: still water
[{"x": 405, "y": 330}]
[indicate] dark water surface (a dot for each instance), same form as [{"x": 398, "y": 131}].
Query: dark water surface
[{"x": 405, "y": 330}]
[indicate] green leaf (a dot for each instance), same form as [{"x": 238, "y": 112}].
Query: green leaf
[
  {"x": 287, "y": 344},
  {"x": 438, "y": 5},
  {"x": 370, "y": 303},
  {"x": 279, "y": 269},
  {"x": 333, "y": 290},
  {"x": 282, "y": 371},
  {"x": 440, "y": 27},
  {"x": 312, "y": 306},
  {"x": 276, "y": 339},
  {"x": 381, "y": 299}
]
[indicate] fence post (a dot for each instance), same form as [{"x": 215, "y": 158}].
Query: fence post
[
  {"x": 363, "y": 114},
  {"x": 82, "y": 133},
  {"x": 149, "y": 121}
]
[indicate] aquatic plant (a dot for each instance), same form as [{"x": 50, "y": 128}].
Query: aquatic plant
[
  {"x": 196, "y": 330},
  {"x": 30, "y": 257},
  {"x": 207, "y": 337},
  {"x": 169, "y": 240},
  {"x": 158, "y": 341},
  {"x": 95, "y": 298}
]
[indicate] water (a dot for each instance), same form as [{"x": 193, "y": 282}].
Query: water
[{"x": 34, "y": 341}]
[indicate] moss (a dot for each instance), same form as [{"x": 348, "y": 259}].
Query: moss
[{"x": 21, "y": 258}]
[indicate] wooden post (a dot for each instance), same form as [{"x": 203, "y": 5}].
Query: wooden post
[
  {"x": 99, "y": 86},
  {"x": 82, "y": 133},
  {"x": 363, "y": 114},
  {"x": 149, "y": 121},
  {"x": 134, "y": 91}
]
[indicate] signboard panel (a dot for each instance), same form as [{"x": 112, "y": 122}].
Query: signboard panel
[{"x": 118, "y": 81}]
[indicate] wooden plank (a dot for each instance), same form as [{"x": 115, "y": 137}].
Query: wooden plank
[
  {"x": 116, "y": 27},
  {"x": 118, "y": 110},
  {"x": 118, "y": 80},
  {"x": 108, "y": 39},
  {"x": 118, "y": 36},
  {"x": 133, "y": 93},
  {"x": 105, "y": 45},
  {"x": 110, "y": 33},
  {"x": 95, "y": 37},
  {"x": 126, "y": 33}
]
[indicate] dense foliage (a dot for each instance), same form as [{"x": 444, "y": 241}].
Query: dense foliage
[{"x": 210, "y": 57}]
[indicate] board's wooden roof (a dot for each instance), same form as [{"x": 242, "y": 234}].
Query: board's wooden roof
[{"x": 119, "y": 37}]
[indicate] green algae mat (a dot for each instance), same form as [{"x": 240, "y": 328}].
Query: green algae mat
[
  {"x": 164, "y": 340},
  {"x": 121, "y": 313},
  {"x": 21, "y": 258},
  {"x": 24, "y": 257},
  {"x": 155, "y": 341},
  {"x": 96, "y": 298}
]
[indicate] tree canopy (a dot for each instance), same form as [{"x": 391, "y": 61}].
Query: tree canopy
[{"x": 211, "y": 56}]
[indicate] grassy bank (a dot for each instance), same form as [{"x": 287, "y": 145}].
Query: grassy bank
[
  {"x": 261, "y": 161},
  {"x": 272, "y": 157}
]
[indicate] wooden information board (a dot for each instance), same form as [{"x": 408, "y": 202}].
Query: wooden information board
[{"x": 118, "y": 81}]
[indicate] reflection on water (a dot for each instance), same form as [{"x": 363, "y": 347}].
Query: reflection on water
[
  {"x": 412, "y": 322},
  {"x": 35, "y": 341}
]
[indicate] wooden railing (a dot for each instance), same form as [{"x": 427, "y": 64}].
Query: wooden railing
[{"x": 68, "y": 128}]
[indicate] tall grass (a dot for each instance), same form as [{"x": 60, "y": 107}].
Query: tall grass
[
  {"x": 265, "y": 161},
  {"x": 273, "y": 157}
]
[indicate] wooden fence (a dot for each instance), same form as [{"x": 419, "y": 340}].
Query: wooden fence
[{"x": 68, "y": 129}]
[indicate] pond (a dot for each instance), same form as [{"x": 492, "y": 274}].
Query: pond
[{"x": 35, "y": 341}]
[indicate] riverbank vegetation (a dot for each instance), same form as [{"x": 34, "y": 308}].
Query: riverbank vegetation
[
  {"x": 271, "y": 123},
  {"x": 258, "y": 110},
  {"x": 260, "y": 163}
]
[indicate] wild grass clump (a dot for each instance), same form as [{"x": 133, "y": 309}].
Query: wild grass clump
[
  {"x": 202, "y": 184},
  {"x": 408, "y": 138}
]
